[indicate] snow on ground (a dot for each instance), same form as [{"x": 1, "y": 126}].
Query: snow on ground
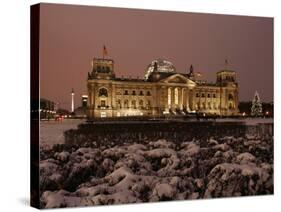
[
  {"x": 158, "y": 170},
  {"x": 51, "y": 132}
]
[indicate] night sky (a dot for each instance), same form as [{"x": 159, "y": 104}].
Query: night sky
[{"x": 70, "y": 36}]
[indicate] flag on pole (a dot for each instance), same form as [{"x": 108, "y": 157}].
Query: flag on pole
[
  {"x": 104, "y": 52},
  {"x": 226, "y": 64}
]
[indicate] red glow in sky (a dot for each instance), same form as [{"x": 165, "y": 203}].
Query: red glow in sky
[{"x": 72, "y": 35}]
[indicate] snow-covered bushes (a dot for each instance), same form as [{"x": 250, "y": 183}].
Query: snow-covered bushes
[{"x": 128, "y": 172}]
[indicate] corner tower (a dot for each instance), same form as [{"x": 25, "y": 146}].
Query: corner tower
[
  {"x": 102, "y": 69},
  {"x": 101, "y": 91},
  {"x": 226, "y": 80}
]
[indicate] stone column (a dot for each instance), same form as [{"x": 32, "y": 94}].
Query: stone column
[
  {"x": 172, "y": 98},
  {"x": 182, "y": 98},
  {"x": 187, "y": 99},
  {"x": 154, "y": 100},
  {"x": 179, "y": 97},
  {"x": 169, "y": 98}
]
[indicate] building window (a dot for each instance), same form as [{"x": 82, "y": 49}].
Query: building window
[
  {"x": 230, "y": 96},
  {"x": 134, "y": 93},
  {"x": 102, "y": 103},
  {"x": 209, "y": 95},
  {"x": 134, "y": 105},
  {"x": 214, "y": 106},
  {"x": 126, "y": 92},
  {"x": 204, "y": 105},
  {"x": 103, "y": 69},
  {"x": 202, "y": 95},
  {"x": 141, "y": 93},
  {"x": 103, "y": 92},
  {"x": 141, "y": 104},
  {"x": 148, "y": 93},
  {"x": 176, "y": 96},
  {"x": 126, "y": 104},
  {"x": 148, "y": 104},
  {"x": 214, "y": 95},
  {"x": 197, "y": 95},
  {"x": 103, "y": 114},
  {"x": 230, "y": 106},
  {"x": 169, "y": 96},
  {"x": 119, "y": 103}
]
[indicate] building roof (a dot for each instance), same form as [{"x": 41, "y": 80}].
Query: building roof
[{"x": 160, "y": 66}]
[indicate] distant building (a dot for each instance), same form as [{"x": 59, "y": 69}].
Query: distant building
[
  {"x": 84, "y": 101},
  {"x": 81, "y": 112},
  {"x": 47, "y": 109},
  {"x": 163, "y": 91}
]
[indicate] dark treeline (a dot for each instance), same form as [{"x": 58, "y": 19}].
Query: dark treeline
[{"x": 138, "y": 132}]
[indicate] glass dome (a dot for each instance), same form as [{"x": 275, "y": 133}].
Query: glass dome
[{"x": 159, "y": 66}]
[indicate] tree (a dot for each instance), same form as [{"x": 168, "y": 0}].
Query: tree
[{"x": 256, "y": 109}]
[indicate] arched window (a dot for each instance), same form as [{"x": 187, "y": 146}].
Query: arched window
[
  {"x": 126, "y": 104},
  {"x": 141, "y": 93},
  {"x": 102, "y": 69},
  {"x": 176, "y": 96},
  {"x": 134, "y": 104},
  {"x": 230, "y": 96},
  {"x": 141, "y": 104},
  {"x": 148, "y": 104},
  {"x": 134, "y": 93},
  {"x": 148, "y": 93},
  {"x": 103, "y": 92},
  {"x": 118, "y": 103},
  {"x": 126, "y": 92}
]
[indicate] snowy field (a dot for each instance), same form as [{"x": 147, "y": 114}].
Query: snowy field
[
  {"x": 248, "y": 121},
  {"x": 51, "y": 132},
  {"x": 105, "y": 172}
]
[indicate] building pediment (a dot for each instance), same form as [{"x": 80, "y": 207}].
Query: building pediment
[
  {"x": 178, "y": 78},
  {"x": 175, "y": 78}
]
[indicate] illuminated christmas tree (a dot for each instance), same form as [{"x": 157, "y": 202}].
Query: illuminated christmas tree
[{"x": 256, "y": 109}]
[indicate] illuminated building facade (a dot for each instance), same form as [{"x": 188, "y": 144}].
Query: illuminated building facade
[{"x": 162, "y": 92}]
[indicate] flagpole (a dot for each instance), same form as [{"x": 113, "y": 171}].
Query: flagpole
[{"x": 103, "y": 53}]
